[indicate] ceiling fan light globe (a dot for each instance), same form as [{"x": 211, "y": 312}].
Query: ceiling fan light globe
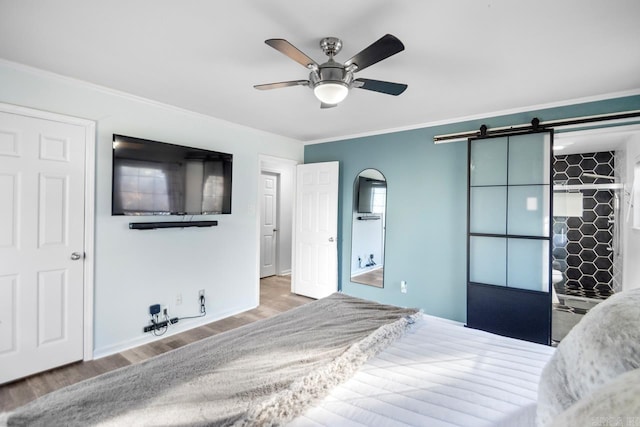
[{"x": 331, "y": 92}]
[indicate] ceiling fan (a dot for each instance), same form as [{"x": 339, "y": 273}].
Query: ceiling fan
[{"x": 332, "y": 80}]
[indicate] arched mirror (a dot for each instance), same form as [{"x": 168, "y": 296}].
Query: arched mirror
[{"x": 368, "y": 228}]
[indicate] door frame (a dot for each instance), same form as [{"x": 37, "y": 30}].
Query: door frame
[
  {"x": 280, "y": 166},
  {"x": 622, "y": 134},
  {"x": 89, "y": 210}
]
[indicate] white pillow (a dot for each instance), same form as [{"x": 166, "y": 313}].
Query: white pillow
[
  {"x": 603, "y": 345},
  {"x": 617, "y": 403}
]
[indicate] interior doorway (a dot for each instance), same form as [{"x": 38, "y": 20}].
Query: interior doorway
[
  {"x": 277, "y": 258},
  {"x": 593, "y": 249}
]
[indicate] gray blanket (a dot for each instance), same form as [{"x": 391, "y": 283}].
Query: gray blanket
[{"x": 264, "y": 373}]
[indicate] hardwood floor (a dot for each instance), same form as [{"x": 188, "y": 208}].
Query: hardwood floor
[
  {"x": 373, "y": 278},
  {"x": 275, "y": 297}
]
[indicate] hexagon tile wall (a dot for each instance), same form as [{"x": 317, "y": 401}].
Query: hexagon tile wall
[{"x": 582, "y": 246}]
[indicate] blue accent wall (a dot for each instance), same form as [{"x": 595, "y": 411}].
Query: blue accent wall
[{"x": 426, "y": 205}]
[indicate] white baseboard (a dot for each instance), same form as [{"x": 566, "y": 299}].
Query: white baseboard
[{"x": 174, "y": 329}]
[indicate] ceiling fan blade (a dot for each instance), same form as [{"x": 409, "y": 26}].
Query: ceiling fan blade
[
  {"x": 381, "y": 86},
  {"x": 278, "y": 85},
  {"x": 323, "y": 105},
  {"x": 383, "y": 48},
  {"x": 291, "y": 51}
]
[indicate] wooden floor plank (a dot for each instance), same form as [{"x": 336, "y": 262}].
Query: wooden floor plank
[{"x": 275, "y": 297}]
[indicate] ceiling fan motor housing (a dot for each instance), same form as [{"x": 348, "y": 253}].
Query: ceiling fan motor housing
[{"x": 331, "y": 72}]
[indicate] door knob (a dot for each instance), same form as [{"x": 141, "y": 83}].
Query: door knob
[
  {"x": 76, "y": 256},
  {"x": 331, "y": 239},
  {"x": 275, "y": 229}
]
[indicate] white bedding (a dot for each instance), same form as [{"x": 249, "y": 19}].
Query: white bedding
[{"x": 439, "y": 374}]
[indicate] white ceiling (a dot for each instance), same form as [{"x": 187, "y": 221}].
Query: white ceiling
[
  {"x": 463, "y": 57},
  {"x": 594, "y": 140}
]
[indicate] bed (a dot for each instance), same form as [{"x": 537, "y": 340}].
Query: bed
[
  {"x": 342, "y": 361},
  {"x": 443, "y": 374},
  {"x": 439, "y": 374}
]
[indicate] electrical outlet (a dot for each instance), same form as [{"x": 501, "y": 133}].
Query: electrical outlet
[
  {"x": 164, "y": 311},
  {"x": 178, "y": 299},
  {"x": 403, "y": 286},
  {"x": 203, "y": 310}
]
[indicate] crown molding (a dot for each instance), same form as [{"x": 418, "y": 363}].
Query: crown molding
[{"x": 498, "y": 113}]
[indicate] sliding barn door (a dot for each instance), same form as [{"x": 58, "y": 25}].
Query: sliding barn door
[{"x": 509, "y": 235}]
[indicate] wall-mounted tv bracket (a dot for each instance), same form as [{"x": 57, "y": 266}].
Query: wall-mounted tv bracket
[{"x": 170, "y": 224}]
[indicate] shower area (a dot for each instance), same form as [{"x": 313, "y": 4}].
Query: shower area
[{"x": 586, "y": 256}]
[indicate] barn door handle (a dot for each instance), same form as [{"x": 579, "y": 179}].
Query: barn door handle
[{"x": 76, "y": 256}]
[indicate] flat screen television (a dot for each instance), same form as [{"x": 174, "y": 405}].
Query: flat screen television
[
  {"x": 156, "y": 178},
  {"x": 366, "y": 190}
]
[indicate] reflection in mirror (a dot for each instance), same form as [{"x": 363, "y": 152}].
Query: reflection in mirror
[{"x": 368, "y": 228}]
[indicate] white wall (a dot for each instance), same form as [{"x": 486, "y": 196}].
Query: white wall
[
  {"x": 134, "y": 269},
  {"x": 631, "y": 236}
]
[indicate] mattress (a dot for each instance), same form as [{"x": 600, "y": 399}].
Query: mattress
[{"x": 439, "y": 374}]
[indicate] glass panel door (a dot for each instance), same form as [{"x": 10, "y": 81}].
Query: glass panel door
[{"x": 509, "y": 235}]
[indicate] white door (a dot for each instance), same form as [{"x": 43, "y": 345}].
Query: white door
[
  {"x": 315, "y": 263},
  {"x": 268, "y": 223},
  {"x": 41, "y": 244}
]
